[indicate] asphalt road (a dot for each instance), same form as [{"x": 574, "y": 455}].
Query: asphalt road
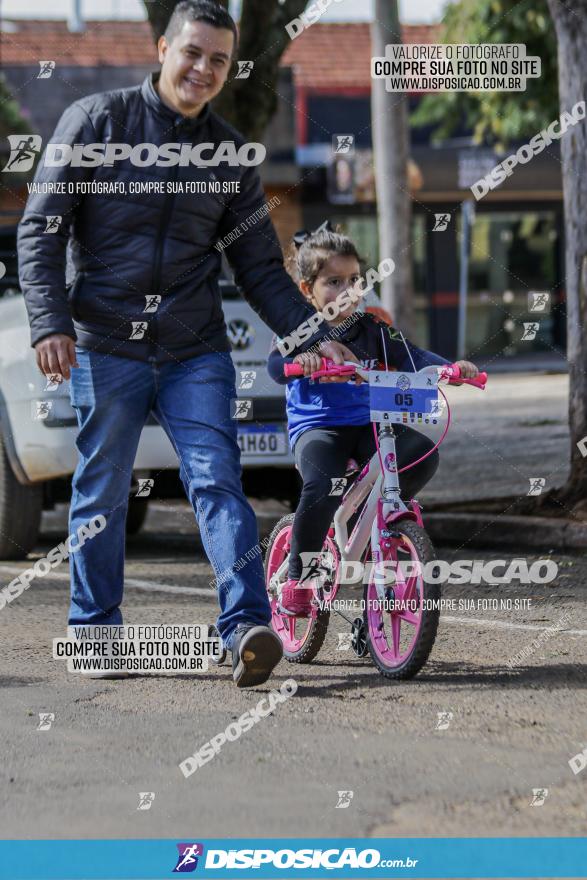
[
  {"x": 346, "y": 728},
  {"x": 499, "y": 438}
]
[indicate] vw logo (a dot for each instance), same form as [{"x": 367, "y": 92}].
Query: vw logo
[{"x": 240, "y": 333}]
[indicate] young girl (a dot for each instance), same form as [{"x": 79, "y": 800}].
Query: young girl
[{"x": 329, "y": 422}]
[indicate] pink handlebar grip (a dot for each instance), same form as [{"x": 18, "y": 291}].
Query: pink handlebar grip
[
  {"x": 454, "y": 374},
  {"x": 293, "y": 370}
]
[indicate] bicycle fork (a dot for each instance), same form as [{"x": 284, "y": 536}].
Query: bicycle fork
[{"x": 389, "y": 503}]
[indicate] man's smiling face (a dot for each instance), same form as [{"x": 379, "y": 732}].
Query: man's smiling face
[{"x": 194, "y": 66}]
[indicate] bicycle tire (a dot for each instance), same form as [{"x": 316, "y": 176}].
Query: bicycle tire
[{"x": 430, "y": 613}]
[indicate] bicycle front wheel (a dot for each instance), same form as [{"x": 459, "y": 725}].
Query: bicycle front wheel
[{"x": 402, "y": 626}]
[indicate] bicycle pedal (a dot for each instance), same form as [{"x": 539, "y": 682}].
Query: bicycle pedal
[{"x": 288, "y": 613}]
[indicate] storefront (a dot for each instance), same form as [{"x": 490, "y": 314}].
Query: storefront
[{"x": 516, "y": 244}]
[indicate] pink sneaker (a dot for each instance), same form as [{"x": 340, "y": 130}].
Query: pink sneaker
[{"x": 296, "y": 600}]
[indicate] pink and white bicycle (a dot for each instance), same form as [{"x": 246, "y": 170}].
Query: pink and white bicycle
[{"x": 400, "y": 619}]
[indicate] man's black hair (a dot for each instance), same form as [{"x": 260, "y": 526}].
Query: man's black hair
[{"x": 199, "y": 10}]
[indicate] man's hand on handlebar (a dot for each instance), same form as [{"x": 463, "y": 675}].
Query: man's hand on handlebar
[
  {"x": 468, "y": 371},
  {"x": 55, "y": 355}
]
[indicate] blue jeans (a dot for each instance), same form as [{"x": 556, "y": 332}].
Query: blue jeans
[{"x": 113, "y": 397}]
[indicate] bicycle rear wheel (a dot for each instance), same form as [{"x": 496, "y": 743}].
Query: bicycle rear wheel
[{"x": 402, "y": 628}]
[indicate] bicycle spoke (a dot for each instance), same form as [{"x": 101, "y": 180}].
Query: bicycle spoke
[
  {"x": 409, "y": 617},
  {"x": 410, "y": 592},
  {"x": 395, "y": 634}
]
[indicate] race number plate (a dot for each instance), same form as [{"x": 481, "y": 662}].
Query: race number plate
[
  {"x": 404, "y": 398},
  {"x": 262, "y": 440}
]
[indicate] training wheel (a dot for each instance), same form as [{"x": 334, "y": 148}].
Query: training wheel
[{"x": 359, "y": 637}]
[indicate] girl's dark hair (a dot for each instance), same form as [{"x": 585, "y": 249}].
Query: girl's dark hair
[
  {"x": 199, "y": 10},
  {"x": 314, "y": 249}
]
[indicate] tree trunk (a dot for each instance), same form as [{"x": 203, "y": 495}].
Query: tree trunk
[
  {"x": 389, "y": 122},
  {"x": 248, "y": 104},
  {"x": 570, "y": 19}
]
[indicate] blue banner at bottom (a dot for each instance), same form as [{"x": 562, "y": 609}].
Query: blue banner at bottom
[{"x": 295, "y": 857}]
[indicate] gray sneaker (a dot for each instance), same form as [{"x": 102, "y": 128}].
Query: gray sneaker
[{"x": 256, "y": 651}]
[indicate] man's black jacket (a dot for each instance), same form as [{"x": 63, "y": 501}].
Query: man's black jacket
[{"x": 126, "y": 248}]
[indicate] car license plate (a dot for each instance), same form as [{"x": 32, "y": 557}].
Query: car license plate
[{"x": 262, "y": 440}]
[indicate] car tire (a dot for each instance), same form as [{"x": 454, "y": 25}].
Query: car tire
[
  {"x": 21, "y": 508},
  {"x": 137, "y": 514}
]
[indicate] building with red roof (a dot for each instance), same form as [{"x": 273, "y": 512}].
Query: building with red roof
[{"x": 325, "y": 86}]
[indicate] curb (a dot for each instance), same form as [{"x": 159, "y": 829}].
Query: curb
[{"x": 494, "y": 529}]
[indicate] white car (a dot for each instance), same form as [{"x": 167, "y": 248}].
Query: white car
[{"x": 38, "y": 425}]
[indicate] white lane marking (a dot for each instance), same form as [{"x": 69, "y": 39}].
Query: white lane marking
[
  {"x": 209, "y": 593},
  {"x": 148, "y": 586},
  {"x": 503, "y": 624},
  {"x": 152, "y": 587}
]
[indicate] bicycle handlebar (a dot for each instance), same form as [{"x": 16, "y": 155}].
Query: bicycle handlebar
[{"x": 452, "y": 372}]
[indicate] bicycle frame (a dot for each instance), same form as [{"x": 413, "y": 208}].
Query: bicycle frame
[
  {"x": 378, "y": 480},
  {"x": 383, "y": 504}
]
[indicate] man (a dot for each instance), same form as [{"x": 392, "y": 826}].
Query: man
[{"x": 142, "y": 324}]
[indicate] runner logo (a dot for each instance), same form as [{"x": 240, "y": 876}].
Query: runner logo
[
  {"x": 437, "y": 407},
  {"x": 539, "y": 795},
  {"x": 343, "y": 143},
  {"x": 46, "y": 719},
  {"x": 338, "y": 485},
  {"x": 313, "y": 566},
  {"x": 53, "y": 381},
  {"x": 344, "y": 800},
  {"x": 243, "y": 409},
  {"x": 537, "y": 484},
  {"x": 441, "y": 222},
  {"x": 53, "y": 222},
  {"x": 146, "y": 799},
  {"x": 187, "y": 860},
  {"x": 144, "y": 487},
  {"x": 42, "y": 409},
  {"x": 152, "y": 303},
  {"x": 23, "y": 152},
  {"x": 47, "y": 68},
  {"x": 530, "y": 331},
  {"x": 244, "y": 69},
  {"x": 537, "y": 302},
  {"x": 247, "y": 379},
  {"x": 345, "y": 641},
  {"x": 139, "y": 328},
  {"x": 444, "y": 719}
]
